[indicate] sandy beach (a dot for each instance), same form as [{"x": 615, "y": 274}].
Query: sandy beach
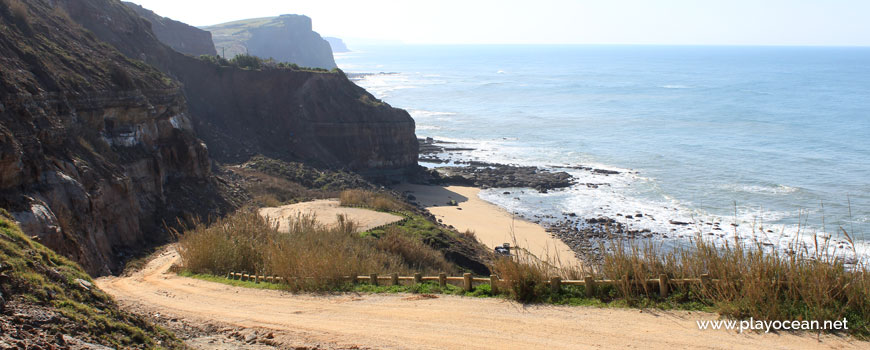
[
  {"x": 490, "y": 223},
  {"x": 326, "y": 211}
]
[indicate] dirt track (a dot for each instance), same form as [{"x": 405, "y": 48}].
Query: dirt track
[{"x": 415, "y": 322}]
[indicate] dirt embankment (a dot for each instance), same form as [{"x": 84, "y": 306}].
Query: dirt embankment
[{"x": 403, "y": 321}]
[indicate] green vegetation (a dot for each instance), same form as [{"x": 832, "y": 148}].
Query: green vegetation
[
  {"x": 36, "y": 277},
  {"x": 247, "y": 242},
  {"x": 307, "y": 176},
  {"x": 251, "y": 62}
]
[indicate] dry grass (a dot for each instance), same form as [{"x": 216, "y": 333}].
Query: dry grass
[
  {"x": 750, "y": 280},
  {"x": 247, "y": 242},
  {"x": 18, "y": 10},
  {"x": 415, "y": 253},
  {"x": 369, "y": 199},
  {"x": 753, "y": 281}
]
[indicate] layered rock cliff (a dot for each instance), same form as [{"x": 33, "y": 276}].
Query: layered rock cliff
[
  {"x": 320, "y": 118},
  {"x": 91, "y": 140},
  {"x": 179, "y": 36},
  {"x": 286, "y": 38},
  {"x": 100, "y": 144}
]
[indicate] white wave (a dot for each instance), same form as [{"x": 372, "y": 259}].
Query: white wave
[
  {"x": 676, "y": 86},
  {"x": 761, "y": 189},
  {"x": 419, "y": 113}
]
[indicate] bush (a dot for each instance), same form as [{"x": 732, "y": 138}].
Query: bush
[
  {"x": 414, "y": 253},
  {"x": 247, "y": 242},
  {"x": 369, "y": 199},
  {"x": 246, "y": 61},
  {"x": 18, "y": 11}
]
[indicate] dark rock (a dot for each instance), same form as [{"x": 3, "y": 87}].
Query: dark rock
[{"x": 179, "y": 36}]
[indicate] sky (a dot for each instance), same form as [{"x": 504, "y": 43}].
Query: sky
[{"x": 650, "y": 22}]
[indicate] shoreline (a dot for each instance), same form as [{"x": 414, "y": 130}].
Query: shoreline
[{"x": 491, "y": 223}]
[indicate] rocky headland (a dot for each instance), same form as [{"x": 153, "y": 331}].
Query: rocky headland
[{"x": 286, "y": 38}]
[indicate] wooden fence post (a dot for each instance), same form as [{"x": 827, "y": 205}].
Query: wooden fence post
[
  {"x": 395, "y": 279},
  {"x": 373, "y": 279},
  {"x": 442, "y": 279},
  {"x": 590, "y": 286},
  {"x": 256, "y": 278},
  {"x": 466, "y": 281},
  {"x": 663, "y": 286},
  {"x": 493, "y": 283},
  {"x": 705, "y": 281},
  {"x": 229, "y": 274},
  {"x": 555, "y": 284},
  {"x": 418, "y": 278},
  {"x": 353, "y": 278}
]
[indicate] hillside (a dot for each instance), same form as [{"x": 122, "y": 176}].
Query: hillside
[
  {"x": 286, "y": 38},
  {"x": 48, "y": 302},
  {"x": 107, "y": 133},
  {"x": 179, "y": 36}
]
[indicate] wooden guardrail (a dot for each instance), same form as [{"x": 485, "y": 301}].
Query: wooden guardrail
[{"x": 467, "y": 281}]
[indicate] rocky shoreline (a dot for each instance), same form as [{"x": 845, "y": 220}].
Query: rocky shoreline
[
  {"x": 486, "y": 174},
  {"x": 583, "y": 235}
]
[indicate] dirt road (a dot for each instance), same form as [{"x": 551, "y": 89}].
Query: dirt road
[{"x": 406, "y": 321}]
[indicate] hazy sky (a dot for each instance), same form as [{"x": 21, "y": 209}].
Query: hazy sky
[{"x": 708, "y": 22}]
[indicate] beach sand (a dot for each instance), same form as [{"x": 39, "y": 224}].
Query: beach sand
[
  {"x": 491, "y": 224},
  {"x": 326, "y": 211}
]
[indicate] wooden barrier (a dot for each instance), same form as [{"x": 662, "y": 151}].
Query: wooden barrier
[{"x": 467, "y": 281}]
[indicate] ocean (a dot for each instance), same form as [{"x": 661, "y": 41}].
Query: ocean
[{"x": 773, "y": 139}]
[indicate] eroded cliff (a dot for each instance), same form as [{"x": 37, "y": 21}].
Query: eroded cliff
[
  {"x": 286, "y": 38},
  {"x": 179, "y": 36},
  {"x": 101, "y": 143},
  {"x": 91, "y": 140}
]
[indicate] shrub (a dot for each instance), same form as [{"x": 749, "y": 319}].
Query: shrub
[
  {"x": 414, "y": 253},
  {"x": 309, "y": 255},
  {"x": 369, "y": 199},
  {"x": 19, "y": 12}
]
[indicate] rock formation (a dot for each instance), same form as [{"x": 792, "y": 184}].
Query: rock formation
[
  {"x": 336, "y": 44},
  {"x": 286, "y": 38},
  {"x": 101, "y": 144},
  {"x": 179, "y": 36}
]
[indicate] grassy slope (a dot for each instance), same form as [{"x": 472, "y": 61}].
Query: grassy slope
[{"x": 38, "y": 279}]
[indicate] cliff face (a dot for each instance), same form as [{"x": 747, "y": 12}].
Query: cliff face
[
  {"x": 315, "y": 117},
  {"x": 336, "y": 44},
  {"x": 287, "y": 38},
  {"x": 98, "y": 141},
  {"x": 319, "y": 118},
  {"x": 90, "y": 139},
  {"x": 179, "y": 36}
]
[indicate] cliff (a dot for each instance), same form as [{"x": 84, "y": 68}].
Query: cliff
[
  {"x": 336, "y": 44},
  {"x": 100, "y": 143},
  {"x": 179, "y": 36},
  {"x": 315, "y": 117},
  {"x": 92, "y": 141},
  {"x": 287, "y": 38}
]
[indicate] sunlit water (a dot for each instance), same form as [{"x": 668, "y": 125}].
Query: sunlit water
[{"x": 772, "y": 136}]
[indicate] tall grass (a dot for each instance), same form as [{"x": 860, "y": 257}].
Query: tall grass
[
  {"x": 751, "y": 280},
  {"x": 369, "y": 199},
  {"x": 748, "y": 280},
  {"x": 309, "y": 255}
]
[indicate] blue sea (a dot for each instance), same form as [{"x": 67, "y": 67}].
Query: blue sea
[{"x": 774, "y": 139}]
